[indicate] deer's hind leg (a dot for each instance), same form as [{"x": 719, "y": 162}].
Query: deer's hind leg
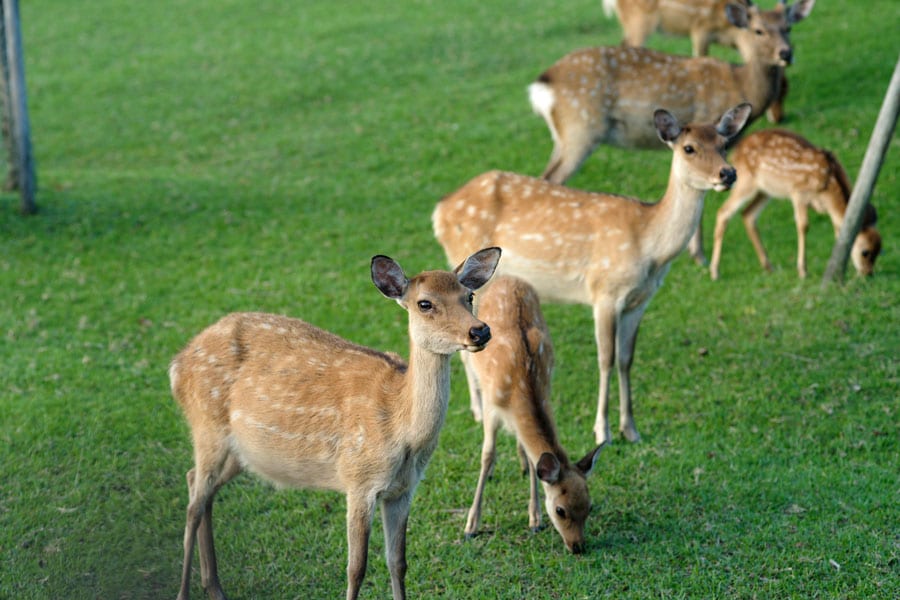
[{"x": 214, "y": 467}]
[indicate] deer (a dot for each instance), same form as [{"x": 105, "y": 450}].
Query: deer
[
  {"x": 512, "y": 379},
  {"x": 608, "y": 251},
  {"x": 704, "y": 21},
  {"x": 304, "y": 408},
  {"x": 782, "y": 164}
]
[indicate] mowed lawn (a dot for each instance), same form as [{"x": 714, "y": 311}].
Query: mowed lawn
[{"x": 196, "y": 158}]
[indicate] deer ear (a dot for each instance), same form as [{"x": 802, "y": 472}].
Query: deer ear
[
  {"x": 547, "y": 468},
  {"x": 731, "y": 123},
  {"x": 586, "y": 464},
  {"x": 388, "y": 277},
  {"x": 736, "y": 15},
  {"x": 799, "y": 10},
  {"x": 667, "y": 126},
  {"x": 476, "y": 270}
]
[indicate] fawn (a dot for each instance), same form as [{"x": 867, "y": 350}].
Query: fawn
[
  {"x": 781, "y": 164},
  {"x": 302, "y": 407},
  {"x": 607, "y": 251},
  {"x": 512, "y": 383}
]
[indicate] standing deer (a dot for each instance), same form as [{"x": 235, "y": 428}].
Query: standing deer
[
  {"x": 704, "y": 21},
  {"x": 512, "y": 379},
  {"x": 304, "y": 408},
  {"x": 605, "y": 95},
  {"x": 781, "y": 164},
  {"x": 607, "y": 251}
]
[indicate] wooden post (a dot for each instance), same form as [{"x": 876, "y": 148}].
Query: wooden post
[
  {"x": 18, "y": 129},
  {"x": 865, "y": 182}
]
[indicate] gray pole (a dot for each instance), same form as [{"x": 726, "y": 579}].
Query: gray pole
[
  {"x": 19, "y": 127},
  {"x": 865, "y": 182}
]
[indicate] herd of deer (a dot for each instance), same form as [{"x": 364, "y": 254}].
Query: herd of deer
[{"x": 304, "y": 408}]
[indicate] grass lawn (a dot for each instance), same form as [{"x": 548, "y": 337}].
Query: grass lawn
[{"x": 202, "y": 157}]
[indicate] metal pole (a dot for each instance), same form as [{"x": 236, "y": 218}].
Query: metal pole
[{"x": 865, "y": 182}]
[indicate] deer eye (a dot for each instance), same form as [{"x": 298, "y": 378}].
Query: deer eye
[
  {"x": 425, "y": 305},
  {"x": 759, "y": 32},
  {"x": 866, "y": 253},
  {"x": 689, "y": 149},
  {"x": 471, "y": 297},
  {"x": 561, "y": 512}
]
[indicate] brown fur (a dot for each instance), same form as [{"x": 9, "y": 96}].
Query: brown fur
[
  {"x": 782, "y": 164},
  {"x": 604, "y": 250}
]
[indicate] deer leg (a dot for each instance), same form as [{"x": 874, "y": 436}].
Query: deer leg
[
  {"x": 699, "y": 43},
  {"x": 395, "y": 515},
  {"x": 750, "y": 215},
  {"x": 534, "y": 501},
  {"x": 605, "y": 334},
  {"x": 695, "y": 245},
  {"x": 626, "y": 337},
  {"x": 488, "y": 454},
  {"x": 523, "y": 458},
  {"x": 801, "y": 218},
  {"x": 360, "y": 510},
  {"x": 740, "y": 194},
  {"x": 474, "y": 387},
  {"x": 209, "y": 574},
  {"x": 209, "y": 462},
  {"x": 568, "y": 153},
  {"x": 775, "y": 112}
]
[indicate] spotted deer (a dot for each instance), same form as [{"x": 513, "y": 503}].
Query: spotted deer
[
  {"x": 512, "y": 380},
  {"x": 607, "y": 251},
  {"x": 781, "y": 164},
  {"x": 304, "y": 408},
  {"x": 605, "y": 95},
  {"x": 704, "y": 21}
]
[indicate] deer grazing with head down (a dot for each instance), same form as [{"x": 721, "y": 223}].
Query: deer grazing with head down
[
  {"x": 512, "y": 381},
  {"x": 302, "y": 407},
  {"x": 607, "y": 251},
  {"x": 704, "y": 21},
  {"x": 605, "y": 95},
  {"x": 781, "y": 164}
]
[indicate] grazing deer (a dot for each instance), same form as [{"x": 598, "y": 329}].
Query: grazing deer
[
  {"x": 781, "y": 164},
  {"x": 704, "y": 21},
  {"x": 605, "y": 95},
  {"x": 607, "y": 251},
  {"x": 304, "y": 408},
  {"x": 512, "y": 377}
]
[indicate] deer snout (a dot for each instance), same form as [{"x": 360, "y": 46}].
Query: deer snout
[
  {"x": 787, "y": 55},
  {"x": 480, "y": 336},
  {"x": 577, "y": 547},
  {"x": 728, "y": 176}
]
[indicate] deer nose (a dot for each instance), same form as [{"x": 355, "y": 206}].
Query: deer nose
[
  {"x": 728, "y": 175},
  {"x": 480, "y": 335},
  {"x": 787, "y": 55},
  {"x": 578, "y": 548}
]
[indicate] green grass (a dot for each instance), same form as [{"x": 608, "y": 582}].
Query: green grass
[{"x": 197, "y": 158}]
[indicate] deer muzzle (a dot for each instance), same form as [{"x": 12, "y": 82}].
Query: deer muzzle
[{"x": 479, "y": 337}]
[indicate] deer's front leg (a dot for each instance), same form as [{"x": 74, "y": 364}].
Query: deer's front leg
[
  {"x": 360, "y": 510},
  {"x": 488, "y": 449},
  {"x": 395, "y": 515},
  {"x": 695, "y": 245},
  {"x": 801, "y": 218},
  {"x": 534, "y": 500},
  {"x": 626, "y": 338},
  {"x": 605, "y": 334}
]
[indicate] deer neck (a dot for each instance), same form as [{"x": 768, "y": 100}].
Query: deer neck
[
  {"x": 672, "y": 220},
  {"x": 537, "y": 435},
  {"x": 759, "y": 83},
  {"x": 427, "y": 394}
]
